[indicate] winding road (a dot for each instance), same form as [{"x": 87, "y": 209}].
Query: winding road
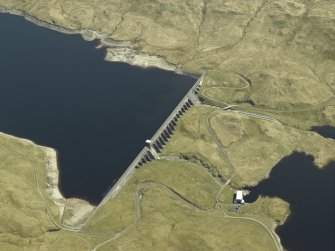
[
  {"x": 216, "y": 103},
  {"x": 184, "y": 200},
  {"x": 137, "y": 198},
  {"x": 173, "y": 193}
]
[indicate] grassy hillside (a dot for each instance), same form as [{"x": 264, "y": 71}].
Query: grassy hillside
[
  {"x": 271, "y": 62},
  {"x": 164, "y": 198}
]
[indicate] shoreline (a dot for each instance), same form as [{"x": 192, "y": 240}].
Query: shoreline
[
  {"x": 83, "y": 207},
  {"x": 51, "y": 171},
  {"x": 51, "y": 189},
  {"x": 52, "y": 175},
  {"x": 116, "y": 51}
]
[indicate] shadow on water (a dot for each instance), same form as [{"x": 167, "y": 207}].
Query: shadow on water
[
  {"x": 58, "y": 91},
  {"x": 310, "y": 192}
]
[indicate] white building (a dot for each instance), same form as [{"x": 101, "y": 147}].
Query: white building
[{"x": 239, "y": 197}]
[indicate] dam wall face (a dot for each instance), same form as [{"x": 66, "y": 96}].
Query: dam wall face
[{"x": 159, "y": 139}]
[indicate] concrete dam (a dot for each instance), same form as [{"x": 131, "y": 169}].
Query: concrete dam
[{"x": 159, "y": 139}]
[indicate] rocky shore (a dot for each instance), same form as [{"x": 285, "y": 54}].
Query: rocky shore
[
  {"x": 117, "y": 51},
  {"x": 52, "y": 175},
  {"x": 72, "y": 212},
  {"x": 70, "y": 217},
  {"x": 131, "y": 56}
]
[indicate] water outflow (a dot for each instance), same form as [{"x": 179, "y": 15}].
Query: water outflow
[
  {"x": 310, "y": 192},
  {"x": 58, "y": 91}
]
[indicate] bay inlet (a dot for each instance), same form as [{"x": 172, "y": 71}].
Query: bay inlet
[{"x": 311, "y": 194}]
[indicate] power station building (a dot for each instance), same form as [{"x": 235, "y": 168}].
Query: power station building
[{"x": 238, "y": 198}]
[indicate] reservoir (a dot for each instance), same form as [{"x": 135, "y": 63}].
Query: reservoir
[
  {"x": 58, "y": 91},
  {"x": 310, "y": 192}
]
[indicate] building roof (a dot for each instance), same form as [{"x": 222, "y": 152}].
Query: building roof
[{"x": 239, "y": 195}]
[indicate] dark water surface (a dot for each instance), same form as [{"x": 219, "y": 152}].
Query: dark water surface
[
  {"x": 310, "y": 192},
  {"x": 325, "y": 131},
  {"x": 57, "y": 90}
]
